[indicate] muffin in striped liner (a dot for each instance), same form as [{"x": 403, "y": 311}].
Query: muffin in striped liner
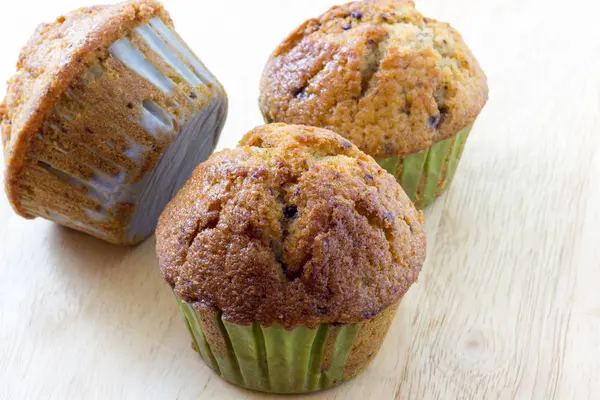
[
  {"x": 107, "y": 116},
  {"x": 404, "y": 88},
  {"x": 271, "y": 358},
  {"x": 425, "y": 175},
  {"x": 288, "y": 257}
]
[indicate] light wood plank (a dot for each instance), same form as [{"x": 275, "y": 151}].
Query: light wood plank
[{"x": 507, "y": 306}]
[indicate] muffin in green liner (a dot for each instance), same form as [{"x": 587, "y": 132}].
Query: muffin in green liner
[
  {"x": 402, "y": 87},
  {"x": 288, "y": 257},
  {"x": 425, "y": 175},
  {"x": 274, "y": 359}
]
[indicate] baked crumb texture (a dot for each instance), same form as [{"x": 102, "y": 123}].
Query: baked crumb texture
[
  {"x": 105, "y": 119},
  {"x": 288, "y": 256},
  {"x": 294, "y": 226},
  {"x": 380, "y": 74}
]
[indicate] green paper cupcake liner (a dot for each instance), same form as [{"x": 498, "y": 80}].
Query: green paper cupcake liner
[
  {"x": 425, "y": 175},
  {"x": 274, "y": 359}
]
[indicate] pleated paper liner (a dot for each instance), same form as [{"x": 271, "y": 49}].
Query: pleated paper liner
[
  {"x": 108, "y": 158},
  {"x": 425, "y": 175},
  {"x": 273, "y": 359}
]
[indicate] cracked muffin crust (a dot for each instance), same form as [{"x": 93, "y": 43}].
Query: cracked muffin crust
[
  {"x": 100, "y": 98},
  {"x": 295, "y": 226},
  {"x": 377, "y": 72}
]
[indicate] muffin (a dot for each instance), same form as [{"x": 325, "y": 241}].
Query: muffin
[
  {"x": 288, "y": 256},
  {"x": 106, "y": 118},
  {"x": 402, "y": 87}
]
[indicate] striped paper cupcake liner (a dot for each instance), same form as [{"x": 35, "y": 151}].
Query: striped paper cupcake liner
[
  {"x": 124, "y": 137},
  {"x": 425, "y": 175},
  {"x": 273, "y": 359}
]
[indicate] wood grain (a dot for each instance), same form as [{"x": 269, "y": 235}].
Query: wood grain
[{"x": 507, "y": 307}]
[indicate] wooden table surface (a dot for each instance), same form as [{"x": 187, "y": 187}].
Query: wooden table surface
[{"x": 507, "y": 306}]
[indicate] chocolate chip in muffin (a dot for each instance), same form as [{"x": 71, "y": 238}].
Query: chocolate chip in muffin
[
  {"x": 290, "y": 211},
  {"x": 311, "y": 240},
  {"x": 433, "y": 121},
  {"x": 323, "y": 310},
  {"x": 300, "y": 93},
  {"x": 392, "y": 33}
]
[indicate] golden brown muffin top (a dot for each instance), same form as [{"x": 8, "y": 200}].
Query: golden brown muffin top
[
  {"x": 54, "y": 56},
  {"x": 295, "y": 226},
  {"x": 378, "y": 73}
]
